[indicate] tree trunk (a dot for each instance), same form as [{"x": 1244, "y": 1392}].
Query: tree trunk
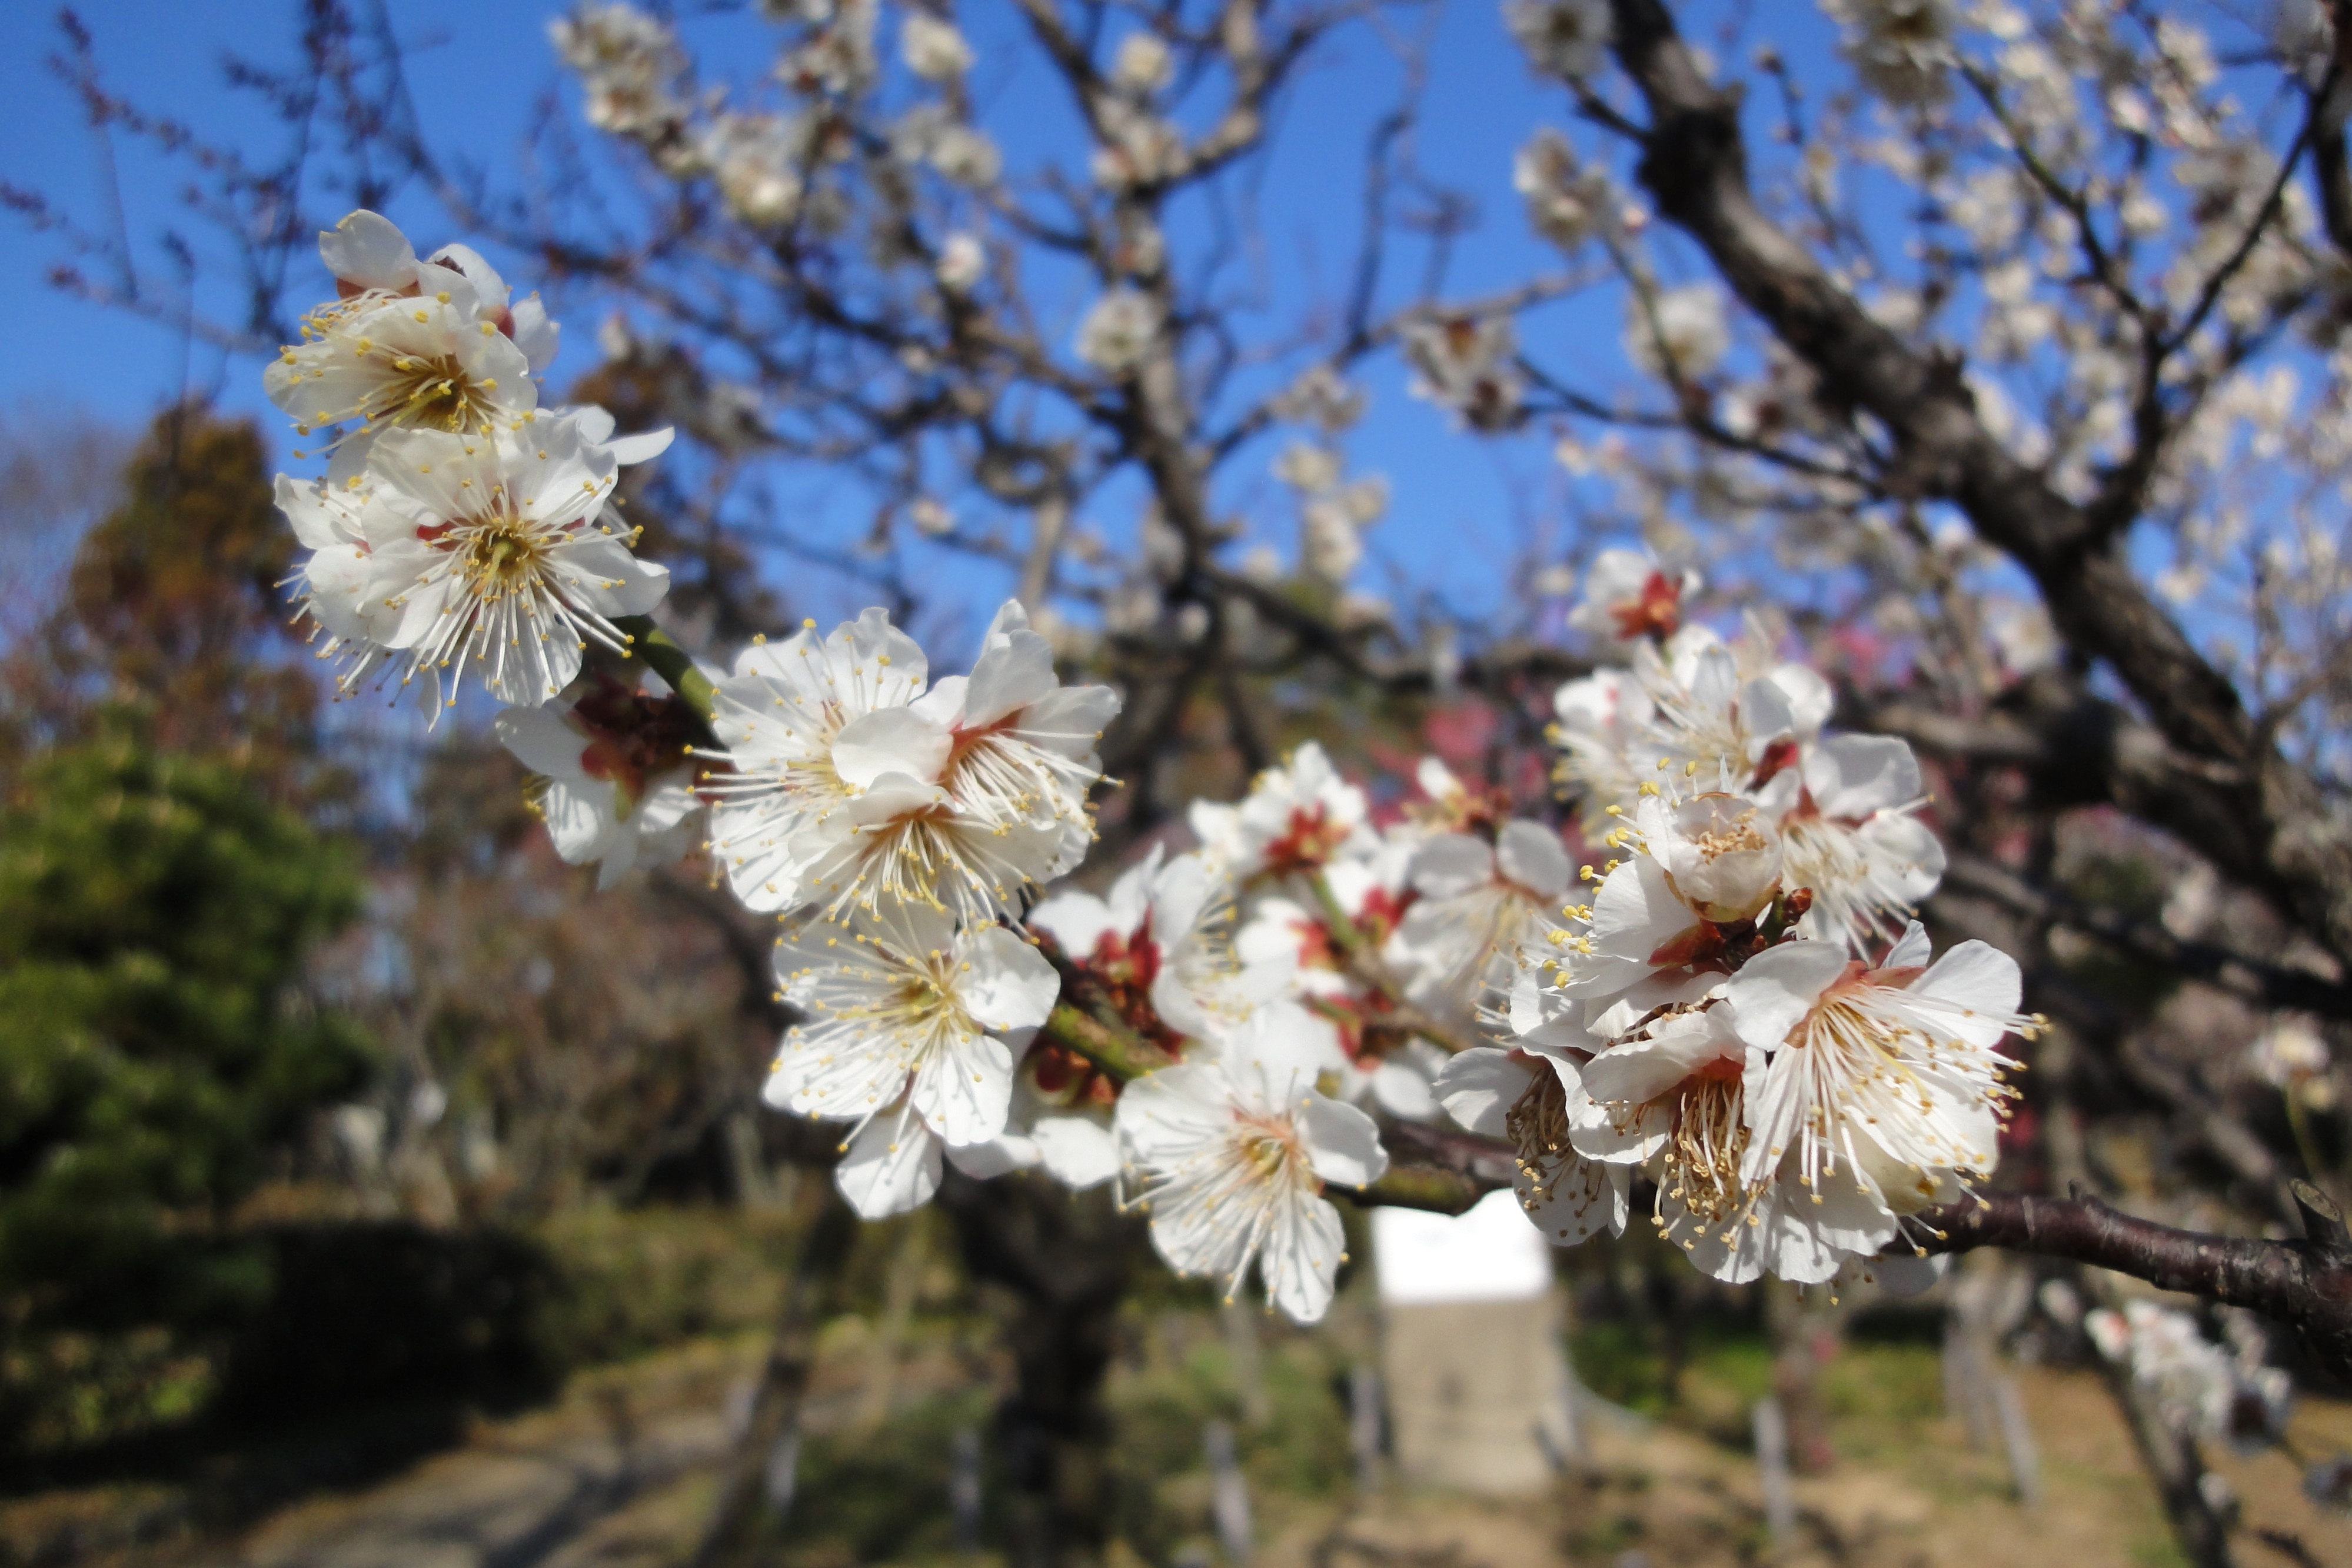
[
  {"x": 1067, "y": 1259},
  {"x": 742, "y": 1523}
]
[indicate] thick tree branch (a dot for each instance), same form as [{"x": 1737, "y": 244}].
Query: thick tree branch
[
  {"x": 2302, "y": 1284},
  {"x": 1693, "y": 164}
]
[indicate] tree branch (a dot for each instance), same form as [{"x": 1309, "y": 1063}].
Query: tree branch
[{"x": 2299, "y": 1283}]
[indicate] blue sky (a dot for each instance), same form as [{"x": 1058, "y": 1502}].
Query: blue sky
[{"x": 1459, "y": 505}]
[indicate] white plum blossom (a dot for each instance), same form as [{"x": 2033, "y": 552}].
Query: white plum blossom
[
  {"x": 853, "y": 783},
  {"x": 1851, "y": 835},
  {"x": 1599, "y": 718},
  {"x": 408, "y": 344},
  {"x": 932, "y": 48},
  {"x": 1476, "y": 904},
  {"x": 496, "y": 553},
  {"x": 1677, "y": 334},
  {"x": 1532, "y": 1096},
  {"x": 1628, "y": 596},
  {"x": 1118, "y": 332},
  {"x": 630, "y": 67},
  {"x": 1142, "y": 63},
  {"x": 1903, "y": 50},
  {"x": 609, "y": 800},
  {"x": 1300, "y": 817},
  {"x": 2200, "y": 1388},
  {"x": 1229, "y": 1156},
  {"x": 758, "y": 163},
  {"x": 901, "y": 1003},
  {"x": 1567, "y": 201},
  {"x": 1883, "y": 1086},
  {"x": 1464, "y": 364},
  {"x": 2292, "y": 1056},
  {"x": 1566, "y": 38},
  {"x": 1163, "y": 939},
  {"x": 962, "y": 263}
]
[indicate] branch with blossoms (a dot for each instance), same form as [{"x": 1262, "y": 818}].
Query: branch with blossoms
[{"x": 1727, "y": 1018}]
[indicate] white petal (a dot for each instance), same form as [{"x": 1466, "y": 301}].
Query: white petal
[
  {"x": 1479, "y": 1087},
  {"x": 1076, "y": 920},
  {"x": 891, "y": 740},
  {"x": 998, "y": 1156},
  {"x": 631, "y": 450},
  {"x": 1009, "y": 677},
  {"x": 1004, "y": 982},
  {"x": 1902, "y": 1274},
  {"x": 1343, "y": 1142},
  {"x": 581, "y": 819},
  {"x": 964, "y": 1091},
  {"x": 1452, "y": 864},
  {"x": 368, "y": 249},
  {"x": 1077, "y": 1151},
  {"x": 1532, "y": 855},
  {"x": 891, "y": 1168},
  {"x": 1642, "y": 1068},
  {"x": 1774, "y": 990},
  {"x": 538, "y": 335},
  {"x": 1301, "y": 1260},
  {"x": 540, "y": 740}
]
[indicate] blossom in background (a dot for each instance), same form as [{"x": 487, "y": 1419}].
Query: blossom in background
[
  {"x": 932, "y": 48},
  {"x": 2200, "y": 1387},
  {"x": 1629, "y": 597},
  {"x": 1568, "y": 203},
  {"x": 901, "y": 1002},
  {"x": 630, "y": 67},
  {"x": 2292, "y": 1057},
  {"x": 1117, "y": 331},
  {"x": 1142, "y": 63},
  {"x": 1466, "y": 364},
  {"x": 962, "y": 263},
  {"x": 1677, "y": 334},
  {"x": 756, "y": 160},
  {"x": 1903, "y": 50},
  {"x": 1566, "y": 38},
  {"x": 1229, "y": 1156},
  {"x": 498, "y": 554},
  {"x": 620, "y": 787}
]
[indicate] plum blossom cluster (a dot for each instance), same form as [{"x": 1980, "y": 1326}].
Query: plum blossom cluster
[
  {"x": 1739, "y": 1008},
  {"x": 1742, "y": 1014}
]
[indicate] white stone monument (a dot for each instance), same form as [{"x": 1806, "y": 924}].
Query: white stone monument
[{"x": 1479, "y": 1395}]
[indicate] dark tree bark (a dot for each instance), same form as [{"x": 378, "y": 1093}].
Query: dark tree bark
[
  {"x": 1067, "y": 1259},
  {"x": 741, "y": 1525},
  {"x": 1693, "y": 164}
]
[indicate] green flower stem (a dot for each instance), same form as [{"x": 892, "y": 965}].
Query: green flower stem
[
  {"x": 1124, "y": 1055},
  {"x": 673, "y": 663},
  {"x": 1417, "y": 1186}
]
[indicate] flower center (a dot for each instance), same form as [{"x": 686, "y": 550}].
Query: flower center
[
  {"x": 503, "y": 554},
  {"x": 1537, "y": 1125},
  {"x": 1269, "y": 1144},
  {"x": 433, "y": 393},
  {"x": 1703, "y": 1152}
]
